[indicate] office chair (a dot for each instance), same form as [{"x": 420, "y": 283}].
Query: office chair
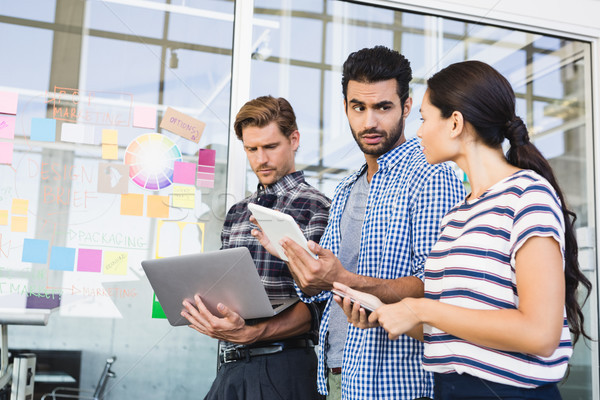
[{"x": 72, "y": 393}]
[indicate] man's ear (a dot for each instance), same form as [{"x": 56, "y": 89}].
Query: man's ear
[
  {"x": 407, "y": 107},
  {"x": 295, "y": 139},
  {"x": 457, "y": 124}
]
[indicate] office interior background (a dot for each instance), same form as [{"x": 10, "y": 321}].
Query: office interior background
[{"x": 93, "y": 64}]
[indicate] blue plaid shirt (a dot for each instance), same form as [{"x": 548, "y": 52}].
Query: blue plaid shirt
[{"x": 407, "y": 199}]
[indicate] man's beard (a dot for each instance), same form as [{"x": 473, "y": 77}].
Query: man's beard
[{"x": 388, "y": 142}]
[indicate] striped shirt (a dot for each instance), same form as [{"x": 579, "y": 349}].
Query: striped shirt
[
  {"x": 407, "y": 199},
  {"x": 473, "y": 265}
]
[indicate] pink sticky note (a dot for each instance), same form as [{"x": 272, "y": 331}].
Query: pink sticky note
[
  {"x": 7, "y": 127},
  {"x": 207, "y": 157},
  {"x": 184, "y": 172},
  {"x": 8, "y": 102},
  {"x": 144, "y": 117},
  {"x": 89, "y": 260},
  {"x": 205, "y": 183},
  {"x": 6, "y": 153}
]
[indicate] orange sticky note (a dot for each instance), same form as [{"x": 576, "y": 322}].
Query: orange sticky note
[
  {"x": 20, "y": 206},
  {"x": 18, "y": 224},
  {"x": 132, "y": 204},
  {"x": 110, "y": 136},
  {"x": 158, "y": 206},
  {"x": 110, "y": 151},
  {"x": 182, "y": 125},
  {"x": 3, "y": 217}
]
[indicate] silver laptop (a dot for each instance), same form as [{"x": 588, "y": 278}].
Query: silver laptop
[{"x": 225, "y": 276}]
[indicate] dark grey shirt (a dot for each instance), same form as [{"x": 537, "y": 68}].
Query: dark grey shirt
[{"x": 350, "y": 229}]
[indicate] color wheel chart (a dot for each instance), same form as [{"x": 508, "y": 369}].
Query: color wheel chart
[{"x": 151, "y": 158}]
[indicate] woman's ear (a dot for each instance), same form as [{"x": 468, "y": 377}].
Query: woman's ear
[{"x": 457, "y": 124}]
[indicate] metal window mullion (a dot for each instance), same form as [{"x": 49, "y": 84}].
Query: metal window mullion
[{"x": 240, "y": 93}]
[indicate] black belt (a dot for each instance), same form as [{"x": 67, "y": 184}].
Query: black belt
[{"x": 262, "y": 349}]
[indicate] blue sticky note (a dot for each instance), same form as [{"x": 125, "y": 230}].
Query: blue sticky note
[
  {"x": 43, "y": 129},
  {"x": 35, "y": 251},
  {"x": 62, "y": 258}
]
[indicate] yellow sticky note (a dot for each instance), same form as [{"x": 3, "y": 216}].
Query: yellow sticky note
[
  {"x": 158, "y": 206},
  {"x": 3, "y": 217},
  {"x": 20, "y": 206},
  {"x": 18, "y": 224},
  {"x": 132, "y": 204},
  {"x": 184, "y": 196},
  {"x": 110, "y": 136},
  {"x": 110, "y": 151},
  {"x": 114, "y": 263}
]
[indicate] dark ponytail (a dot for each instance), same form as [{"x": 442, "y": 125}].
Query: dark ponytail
[
  {"x": 524, "y": 154},
  {"x": 486, "y": 100}
]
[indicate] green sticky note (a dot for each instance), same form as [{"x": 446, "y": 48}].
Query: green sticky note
[{"x": 157, "y": 310}]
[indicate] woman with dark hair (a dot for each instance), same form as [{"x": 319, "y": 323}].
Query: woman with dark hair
[{"x": 501, "y": 282}]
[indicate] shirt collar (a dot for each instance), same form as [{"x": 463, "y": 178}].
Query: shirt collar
[
  {"x": 283, "y": 185},
  {"x": 395, "y": 155},
  {"x": 391, "y": 158}
]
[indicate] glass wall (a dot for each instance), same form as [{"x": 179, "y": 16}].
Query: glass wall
[
  {"x": 550, "y": 75},
  {"x": 117, "y": 146},
  {"x": 94, "y": 179}
]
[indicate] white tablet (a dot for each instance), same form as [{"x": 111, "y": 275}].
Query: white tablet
[{"x": 277, "y": 225}]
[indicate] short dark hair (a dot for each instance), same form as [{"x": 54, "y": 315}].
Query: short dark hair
[
  {"x": 263, "y": 110},
  {"x": 376, "y": 64}
]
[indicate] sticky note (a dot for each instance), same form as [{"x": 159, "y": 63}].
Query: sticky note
[
  {"x": 8, "y": 102},
  {"x": 46, "y": 301},
  {"x": 158, "y": 206},
  {"x": 6, "y": 153},
  {"x": 144, "y": 117},
  {"x": 35, "y": 251},
  {"x": 113, "y": 178},
  {"x": 157, "y": 310},
  {"x": 110, "y": 136},
  {"x": 184, "y": 196},
  {"x": 110, "y": 151},
  {"x": 43, "y": 129},
  {"x": 114, "y": 263},
  {"x": 73, "y": 133},
  {"x": 132, "y": 204},
  {"x": 89, "y": 260},
  {"x": 182, "y": 125},
  {"x": 207, "y": 183},
  {"x": 7, "y": 127},
  {"x": 3, "y": 217},
  {"x": 62, "y": 258},
  {"x": 19, "y": 206},
  {"x": 178, "y": 237},
  {"x": 206, "y": 162},
  {"x": 18, "y": 224},
  {"x": 184, "y": 172},
  {"x": 207, "y": 157},
  {"x": 205, "y": 168}
]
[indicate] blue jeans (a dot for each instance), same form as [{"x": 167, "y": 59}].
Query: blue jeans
[{"x": 455, "y": 386}]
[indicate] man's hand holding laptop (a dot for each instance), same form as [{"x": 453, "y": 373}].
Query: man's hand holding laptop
[{"x": 230, "y": 327}]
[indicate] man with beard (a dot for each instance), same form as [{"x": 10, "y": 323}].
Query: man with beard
[{"x": 382, "y": 223}]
